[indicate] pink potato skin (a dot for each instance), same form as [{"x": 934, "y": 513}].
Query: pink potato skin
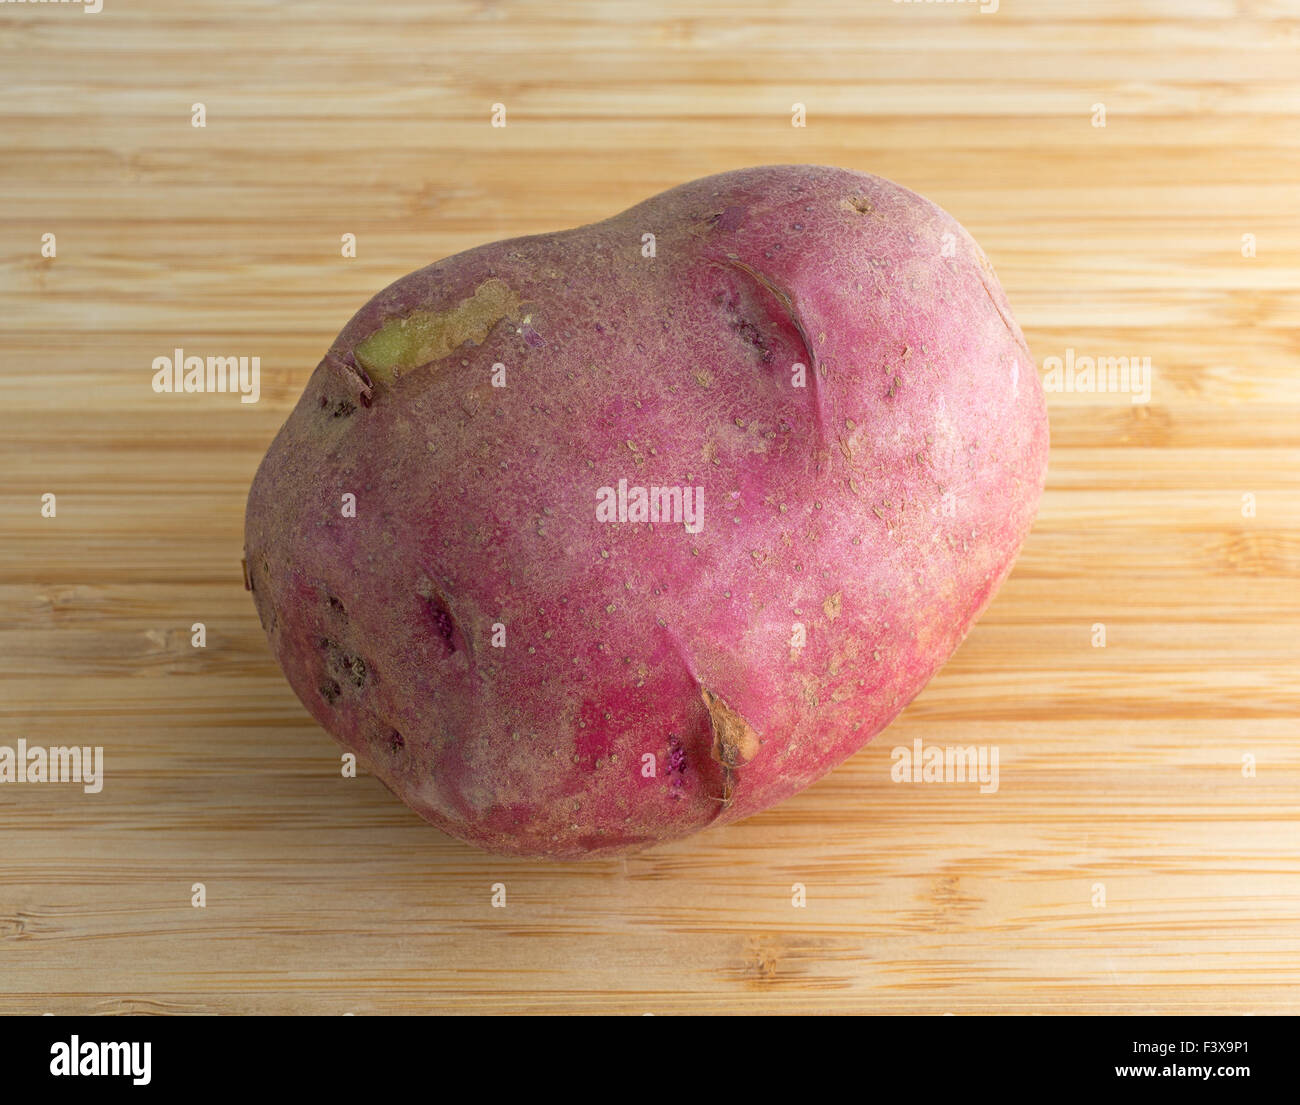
[{"x": 878, "y": 507}]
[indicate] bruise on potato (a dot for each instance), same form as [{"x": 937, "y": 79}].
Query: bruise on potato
[{"x": 565, "y": 687}]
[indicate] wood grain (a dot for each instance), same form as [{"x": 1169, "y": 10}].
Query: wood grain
[{"x": 1120, "y": 767}]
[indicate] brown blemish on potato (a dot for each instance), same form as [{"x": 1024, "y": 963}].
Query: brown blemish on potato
[
  {"x": 808, "y": 690},
  {"x": 833, "y": 605},
  {"x": 355, "y": 379},
  {"x": 447, "y": 627},
  {"x": 734, "y": 741},
  {"x": 816, "y": 368},
  {"x": 860, "y": 204},
  {"x": 357, "y": 671},
  {"x": 401, "y": 344},
  {"x": 785, "y": 300}
]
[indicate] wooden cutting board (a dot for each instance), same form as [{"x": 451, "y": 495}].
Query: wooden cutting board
[{"x": 1142, "y": 851}]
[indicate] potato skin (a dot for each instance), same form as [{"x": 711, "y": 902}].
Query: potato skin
[{"x": 651, "y": 683}]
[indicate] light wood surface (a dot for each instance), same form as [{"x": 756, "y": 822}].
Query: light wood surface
[{"x": 1121, "y": 767}]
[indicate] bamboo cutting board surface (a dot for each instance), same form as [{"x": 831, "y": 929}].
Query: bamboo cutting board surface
[{"x": 1142, "y": 852}]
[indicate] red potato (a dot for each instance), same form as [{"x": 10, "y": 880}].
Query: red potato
[{"x": 812, "y": 376}]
